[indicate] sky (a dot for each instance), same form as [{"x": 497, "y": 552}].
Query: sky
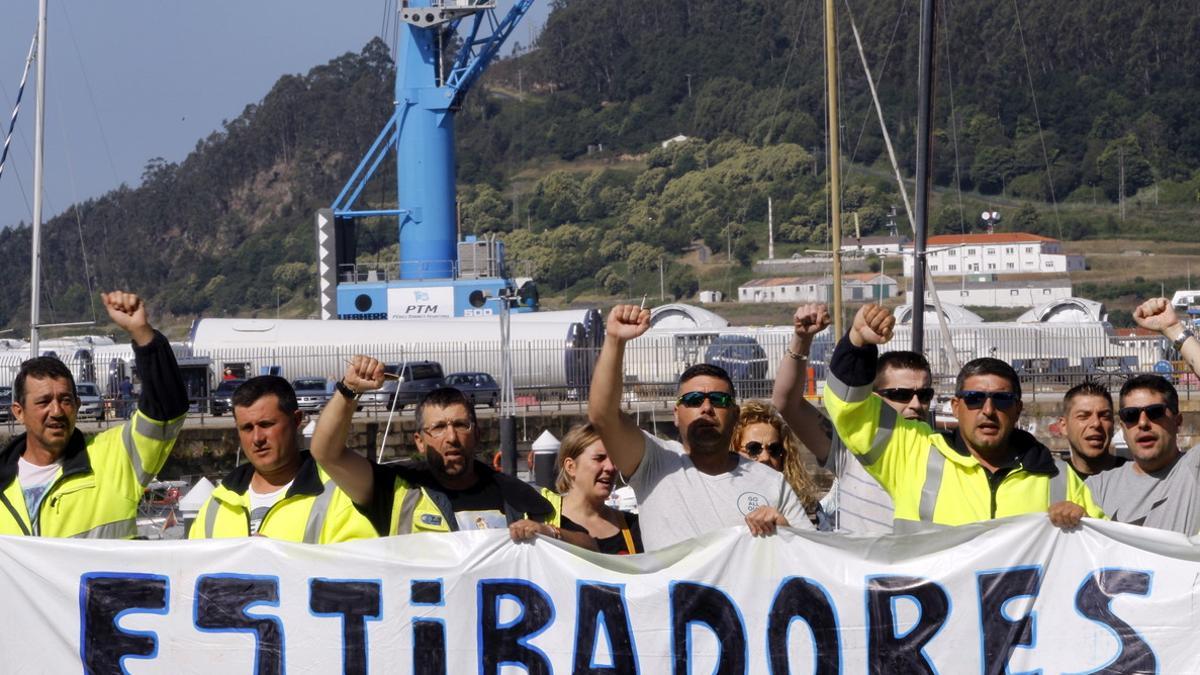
[{"x": 130, "y": 80}]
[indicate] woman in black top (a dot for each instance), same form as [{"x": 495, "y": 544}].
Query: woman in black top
[{"x": 585, "y": 479}]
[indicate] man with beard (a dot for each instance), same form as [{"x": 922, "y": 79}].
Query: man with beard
[
  {"x": 686, "y": 488},
  {"x": 1087, "y": 421},
  {"x": 986, "y": 469},
  {"x": 1161, "y": 486},
  {"x": 454, "y": 491}
]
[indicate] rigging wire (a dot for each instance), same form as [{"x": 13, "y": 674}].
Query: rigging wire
[
  {"x": 879, "y": 74},
  {"x": 70, "y": 166},
  {"x": 1037, "y": 116},
  {"x": 962, "y": 221},
  {"x": 786, "y": 69},
  {"x": 13, "y": 122}
]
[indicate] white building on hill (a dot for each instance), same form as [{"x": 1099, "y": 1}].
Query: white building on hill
[
  {"x": 991, "y": 290},
  {"x": 999, "y": 253},
  {"x": 864, "y": 287}
]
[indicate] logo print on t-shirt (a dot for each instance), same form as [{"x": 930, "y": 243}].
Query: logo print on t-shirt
[{"x": 748, "y": 502}]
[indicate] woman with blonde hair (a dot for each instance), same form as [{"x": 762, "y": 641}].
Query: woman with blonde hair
[
  {"x": 585, "y": 479},
  {"x": 763, "y": 436}
]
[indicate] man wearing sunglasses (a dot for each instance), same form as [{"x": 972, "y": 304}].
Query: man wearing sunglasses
[
  {"x": 986, "y": 469},
  {"x": 696, "y": 485},
  {"x": 1161, "y": 486},
  {"x": 857, "y": 504}
]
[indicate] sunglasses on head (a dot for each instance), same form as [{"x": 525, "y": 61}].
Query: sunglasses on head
[
  {"x": 905, "y": 394},
  {"x": 1131, "y": 415},
  {"x": 695, "y": 399},
  {"x": 974, "y": 400},
  {"x": 754, "y": 447}
]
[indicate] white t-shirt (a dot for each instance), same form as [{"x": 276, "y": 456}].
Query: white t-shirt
[
  {"x": 676, "y": 501},
  {"x": 261, "y": 503},
  {"x": 35, "y": 481},
  {"x": 857, "y": 503}
]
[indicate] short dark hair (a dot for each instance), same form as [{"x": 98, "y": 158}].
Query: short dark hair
[
  {"x": 40, "y": 368},
  {"x": 1156, "y": 383},
  {"x": 1086, "y": 388},
  {"x": 988, "y": 366},
  {"x": 444, "y": 397},
  {"x": 902, "y": 360},
  {"x": 255, "y": 388},
  {"x": 708, "y": 370}
]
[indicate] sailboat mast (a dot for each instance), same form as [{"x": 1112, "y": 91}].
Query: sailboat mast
[
  {"x": 39, "y": 150},
  {"x": 924, "y": 159},
  {"x": 835, "y": 169}
]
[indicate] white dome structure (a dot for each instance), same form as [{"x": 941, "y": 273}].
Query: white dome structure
[
  {"x": 1067, "y": 311},
  {"x": 954, "y": 314},
  {"x": 678, "y": 316}
]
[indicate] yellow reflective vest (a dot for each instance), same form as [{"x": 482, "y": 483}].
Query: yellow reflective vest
[
  {"x": 931, "y": 476},
  {"x": 555, "y": 500},
  {"x": 313, "y": 511},
  {"x": 96, "y": 491}
]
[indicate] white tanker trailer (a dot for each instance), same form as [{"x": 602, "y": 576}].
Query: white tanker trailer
[{"x": 549, "y": 348}]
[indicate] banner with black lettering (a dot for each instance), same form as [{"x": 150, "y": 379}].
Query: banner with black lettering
[{"x": 1010, "y": 596}]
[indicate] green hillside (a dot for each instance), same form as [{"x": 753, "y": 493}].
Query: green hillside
[{"x": 1044, "y": 116}]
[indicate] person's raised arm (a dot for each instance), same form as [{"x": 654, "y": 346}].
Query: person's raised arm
[
  {"x": 351, "y": 471},
  {"x": 848, "y": 397},
  {"x": 620, "y": 434},
  {"x": 810, "y": 426},
  {"x": 164, "y": 395},
  {"x": 1158, "y": 315}
]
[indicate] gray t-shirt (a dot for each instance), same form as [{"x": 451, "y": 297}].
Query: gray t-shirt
[
  {"x": 857, "y": 503},
  {"x": 677, "y": 502},
  {"x": 1168, "y": 499}
]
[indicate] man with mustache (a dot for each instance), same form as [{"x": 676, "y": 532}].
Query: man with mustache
[
  {"x": 695, "y": 485},
  {"x": 986, "y": 469},
  {"x": 1161, "y": 486},
  {"x": 54, "y": 481},
  {"x": 453, "y": 491}
]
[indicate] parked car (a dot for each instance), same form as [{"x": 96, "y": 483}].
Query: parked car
[
  {"x": 90, "y": 404},
  {"x": 412, "y": 381},
  {"x": 479, "y": 388},
  {"x": 312, "y": 393},
  {"x": 5, "y": 403},
  {"x": 221, "y": 403}
]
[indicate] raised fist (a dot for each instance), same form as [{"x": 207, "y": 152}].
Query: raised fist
[
  {"x": 626, "y": 322},
  {"x": 811, "y": 319},
  {"x": 129, "y": 312},
  {"x": 364, "y": 374},
  {"x": 872, "y": 325},
  {"x": 1155, "y": 314}
]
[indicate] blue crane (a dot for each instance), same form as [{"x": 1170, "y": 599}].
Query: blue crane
[{"x": 437, "y": 275}]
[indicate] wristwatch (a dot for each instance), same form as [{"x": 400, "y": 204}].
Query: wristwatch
[
  {"x": 1183, "y": 337},
  {"x": 346, "y": 391}
]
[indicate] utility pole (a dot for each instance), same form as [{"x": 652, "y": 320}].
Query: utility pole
[
  {"x": 662, "y": 292},
  {"x": 834, "y": 163},
  {"x": 924, "y": 162},
  {"x": 689, "y": 82},
  {"x": 770, "y": 230}
]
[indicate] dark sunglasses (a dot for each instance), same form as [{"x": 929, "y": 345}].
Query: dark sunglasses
[
  {"x": 1131, "y": 415},
  {"x": 754, "y": 447},
  {"x": 695, "y": 399},
  {"x": 904, "y": 394},
  {"x": 974, "y": 400}
]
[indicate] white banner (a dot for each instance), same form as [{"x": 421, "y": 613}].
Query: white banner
[{"x": 1020, "y": 595}]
